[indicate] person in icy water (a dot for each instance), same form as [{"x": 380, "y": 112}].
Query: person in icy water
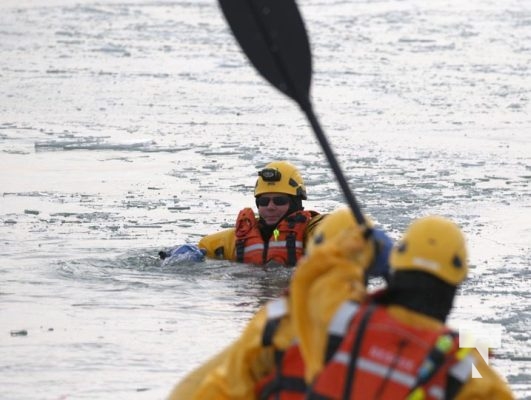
[
  {"x": 328, "y": 339},
  {"x": 277, "y": 235}
]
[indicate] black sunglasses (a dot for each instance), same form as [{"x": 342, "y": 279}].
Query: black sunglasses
[{"x": 263, "y": 201}]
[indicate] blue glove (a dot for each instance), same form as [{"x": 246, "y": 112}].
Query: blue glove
[
  {"x": 183, "y": 253},
  {"x": 384, "y": 244}
]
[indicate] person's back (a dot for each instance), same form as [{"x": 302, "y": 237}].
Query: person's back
[
  {"x": 279, "y": 233},
  {"x": 397, "y": 346},
  {"x": 381, "y": 354}
]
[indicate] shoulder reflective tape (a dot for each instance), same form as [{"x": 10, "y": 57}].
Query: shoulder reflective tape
[
  {"x": 277, "y": 308},
  {"x": 283, "y": 243},
  {"x": 378, "y": 369},
  {"x": 341, "y": 320},
  {"x": 382, "y": 370},
  {"x": 253, "y": 247}
]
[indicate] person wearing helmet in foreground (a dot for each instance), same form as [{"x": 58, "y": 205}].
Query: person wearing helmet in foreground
[
  {"x": 264, "y": 362},
  {"x": 329, "y": 339},
  {"x": 395, "y": 344},
  {"x": 277, "y": 235}
]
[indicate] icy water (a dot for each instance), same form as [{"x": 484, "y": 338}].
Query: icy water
[{"x": 129, "y": 126}]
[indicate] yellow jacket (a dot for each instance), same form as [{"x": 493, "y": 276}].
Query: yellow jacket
[
  {"x": 220, "y": 244},
  {"x": 321, "y": 283}
]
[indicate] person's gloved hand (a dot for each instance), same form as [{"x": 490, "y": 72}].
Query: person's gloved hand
[
  {"x": 383, "y": 246},
  {"x": 182, "y": 253}
]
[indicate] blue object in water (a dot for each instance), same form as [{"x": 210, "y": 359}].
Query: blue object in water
[{"x": 184, "y": 253}]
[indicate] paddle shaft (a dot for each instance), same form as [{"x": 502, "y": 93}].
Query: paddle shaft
[
  {"x": 332, "y": 160},
  {"x": 306, "y": 106}
]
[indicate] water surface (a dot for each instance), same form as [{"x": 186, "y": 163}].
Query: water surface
[{"x": 130, "y": 126}]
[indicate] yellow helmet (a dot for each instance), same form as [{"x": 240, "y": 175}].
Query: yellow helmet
[
  {"x": 280, "y": 177},
  {"x": 434, "y": 245},
  {"x": 333, "y": 224}
]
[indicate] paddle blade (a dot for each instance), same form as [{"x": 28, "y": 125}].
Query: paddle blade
[{"x": 273, "y": 36}]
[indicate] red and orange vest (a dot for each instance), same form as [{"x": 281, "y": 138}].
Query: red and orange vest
[
  {"x": 285, "y": 246},
  {"x": 371, "y": 355}
]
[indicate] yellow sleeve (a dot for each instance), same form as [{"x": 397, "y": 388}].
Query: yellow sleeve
[
  {"x": 189, "y": 384},
  {"x": 489, "y": 386},
  {"x": 234, "y": 373},
  {"x": 331, "y": 275},
  {"x": 220, "y": 245}
]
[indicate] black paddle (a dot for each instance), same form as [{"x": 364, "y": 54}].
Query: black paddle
[{"x": 273, "y": 36}]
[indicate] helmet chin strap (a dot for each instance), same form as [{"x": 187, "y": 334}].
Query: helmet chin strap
[{"x": 295, "y": 204}]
